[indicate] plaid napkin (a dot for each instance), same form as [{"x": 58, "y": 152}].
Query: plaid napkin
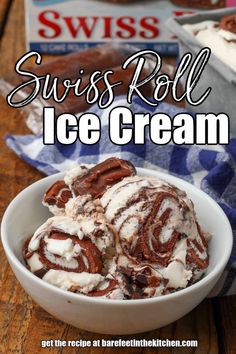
[{"x": 214, "y": 171}]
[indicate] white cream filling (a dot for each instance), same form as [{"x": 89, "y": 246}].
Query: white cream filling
[
  {"x": 34, "y": 263},
  {"x": 74, "y": 173},
  {"x": 180, "y": 251},
  {"x": 130, "y": 228},
  {"x": 116, "y": 294},
  {"x": 54, "y": 209},
  {"x": 85, "y": 282},
  {"x": 64, "y": 248},
  {"x": 201, "y": 255},
  {"x": 176, "y": 274},
  {"x": 79, "y": 203},
  {"x": 61, "y": 261},
  {"x": 118, "y": 197}
]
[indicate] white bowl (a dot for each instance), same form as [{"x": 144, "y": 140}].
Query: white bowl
[{"x": 26, "y": 212}]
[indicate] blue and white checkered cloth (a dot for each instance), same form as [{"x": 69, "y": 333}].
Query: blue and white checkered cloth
[{"x": 214, "y": 171}]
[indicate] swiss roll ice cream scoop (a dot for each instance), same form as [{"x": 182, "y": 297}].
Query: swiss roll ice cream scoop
[
  {"x": 157, "y": 229},
  {"x": 117, "y": 235}
]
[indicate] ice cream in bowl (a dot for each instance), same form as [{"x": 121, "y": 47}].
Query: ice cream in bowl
[{"x": 114, "y": 249}]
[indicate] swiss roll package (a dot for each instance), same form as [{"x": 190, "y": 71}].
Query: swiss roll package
[{"x": 61, "y": 26}]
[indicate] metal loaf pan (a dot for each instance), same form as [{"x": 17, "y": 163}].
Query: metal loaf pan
[{"x": 217, "y": 74}]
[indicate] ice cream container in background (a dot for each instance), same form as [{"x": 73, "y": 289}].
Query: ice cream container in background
[{"x": 217, "y": 74}]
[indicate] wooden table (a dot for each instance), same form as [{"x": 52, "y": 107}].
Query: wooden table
[{"x": 23, "y": 324}]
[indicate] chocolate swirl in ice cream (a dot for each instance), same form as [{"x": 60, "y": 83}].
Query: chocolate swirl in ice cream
[
  {"x": 119, "y": 236},
  {"x": 138, "y": 280},
  {"x": 108, "y": 286}
]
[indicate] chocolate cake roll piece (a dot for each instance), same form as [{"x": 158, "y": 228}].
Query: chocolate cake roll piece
[
  {"x": 228, "y": 23},
  {"x": 91, "y": 183},
  {"x": 63, "y": 243},
  {"x": 201, "y": 4},
  {"x": 92, "y": 59},
  {"x": 102, "y": 176},
  {"x": 88, "y": 260},
  {"x": 57, "y": 195}
]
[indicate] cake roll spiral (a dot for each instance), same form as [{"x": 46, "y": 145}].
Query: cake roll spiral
[
  {"x": 62, "y": 247},
  {"x": 60, "y": 244},
  {"x": 153, "y": 218}
]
